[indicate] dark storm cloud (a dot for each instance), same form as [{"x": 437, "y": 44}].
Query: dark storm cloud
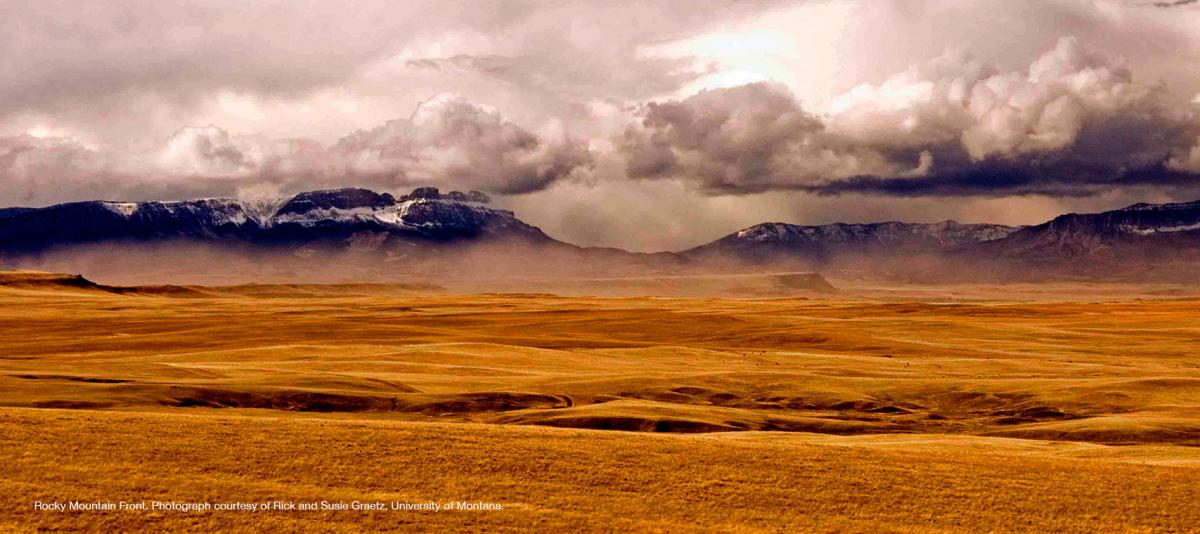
[
  {"x": 1072, "y": 123},
  {"x": 749, "y": 138},
  {"x": 1007, "y": 178},
  {"x": 1176, "y": 3}
]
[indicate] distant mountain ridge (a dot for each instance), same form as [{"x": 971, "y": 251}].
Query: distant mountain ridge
[
  {"x": 1150, "y": 241},
  {"x": 1147, "y": 235},
  {"x": 425, "y": 215},
  {"x": 768, "y": 240},
  {"x": 435, "y": 231}
]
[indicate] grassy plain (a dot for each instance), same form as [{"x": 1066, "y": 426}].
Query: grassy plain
[{"x": 955, "y": 409}]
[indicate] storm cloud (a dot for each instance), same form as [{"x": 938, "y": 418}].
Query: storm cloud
[{"x": 1073, "y": 122}]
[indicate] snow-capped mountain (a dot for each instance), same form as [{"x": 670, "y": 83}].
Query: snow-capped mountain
[
  {"x": 1142, "y": 241},
  {"x": 775, "y": 240},
  {"x": 425, "y": 215},
  {"x": 1141, "y": 234},
  {"x": 1080, "y": 231},
  {"x": 427, "y": 231}
]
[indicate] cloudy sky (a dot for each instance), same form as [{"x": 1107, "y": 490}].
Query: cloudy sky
[{"x": 645, "y": 125}]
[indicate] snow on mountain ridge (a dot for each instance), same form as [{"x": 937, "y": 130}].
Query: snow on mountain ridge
[
  {"x": 1176, "y": 206},
  {"x": 124, "y": 208},
  {"x": 1162, "y": 229},
  {"x": 266, "y": 213}
]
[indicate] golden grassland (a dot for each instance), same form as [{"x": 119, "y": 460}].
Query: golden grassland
[
  {"x": 566, "y": 480},
  {"x": 859, "y": 411}
]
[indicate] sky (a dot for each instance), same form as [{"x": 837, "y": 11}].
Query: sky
[{"x": 648, "y": 125}]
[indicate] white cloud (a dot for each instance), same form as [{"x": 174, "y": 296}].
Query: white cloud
[{"x": 454, "y": 142}]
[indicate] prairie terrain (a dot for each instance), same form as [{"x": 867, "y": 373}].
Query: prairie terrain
[{"x": 961, "y": 408}]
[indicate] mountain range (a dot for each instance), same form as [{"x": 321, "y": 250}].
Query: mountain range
[
  {"x": 423, "y": 216},
  {"x": 1154, "y": 241}
]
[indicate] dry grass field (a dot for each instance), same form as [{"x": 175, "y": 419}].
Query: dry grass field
[{"x": 959, "y": 409}]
